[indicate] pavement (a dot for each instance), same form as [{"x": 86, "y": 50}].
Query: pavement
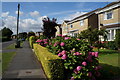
[{"x": 24, "y": 65}]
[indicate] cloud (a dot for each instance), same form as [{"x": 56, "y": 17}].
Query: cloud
[
  {"x": 62, "y": 12},
  {"x": 21, "y": 13},
  {"x": 5, "y": 14},
  {"x": 71, "y": 16},
  {"x": 35, "y": 14},
  {"x": 25, "y": 25}
]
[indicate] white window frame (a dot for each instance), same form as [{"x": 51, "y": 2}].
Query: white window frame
[
  {"x": 105, "y": 15},
  {"x": 81, "y": 22}
]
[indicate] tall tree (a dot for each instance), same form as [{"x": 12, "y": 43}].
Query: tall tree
[
  {"x": 6, "y": 32},
  {"x": 49, "y": 27}
]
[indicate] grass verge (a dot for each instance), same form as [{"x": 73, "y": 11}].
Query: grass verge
[
  {"x": 109, "y": 61},
  {"x": 6, "y": 59}
]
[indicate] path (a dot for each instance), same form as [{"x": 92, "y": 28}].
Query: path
[{"x": 25, "y": 65}]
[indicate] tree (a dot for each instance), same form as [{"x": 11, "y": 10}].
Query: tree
[
  {"x": 6, "y": 32},
  {"x": 92, "y": 35},
  {"x": 23, "y": 35},
  {"x": 117, "y": 38},
  {"x": 49, "y": 27},
  {"x": 31, "y": 33}
]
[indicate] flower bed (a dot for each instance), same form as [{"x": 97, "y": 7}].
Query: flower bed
[{"x": 80, "y": 62}]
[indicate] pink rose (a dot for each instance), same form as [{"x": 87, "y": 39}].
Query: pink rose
[
  {"x": 98, "y": 67},
  {"x": 39, "y": 40},
  {"x": 72, "y": 78},
  {"x": 64, "y": 56},
  {"x": 79, "y": 68},
  {"x": 62, "y": 44},
  {"x": 77, "y": 53},
  {"x": 63, "y": 52},
  {"x": 93, "y": 53},
  {"x": 90, "y": 53},
  {"x": 75, "y": 71},
  {"x": 45, "y": 42},
  {"x": 89, "y": 74},
  {"x": 78, "y": 39},
  {"x": 67, "y": 38},
  {"x": 89, "y": 58},
  {"x": 59, "y": 35},
  {"x": 84, "y": 63},
  {"x": 96, "y": 54},
  {"x": 59, "y": 54}
]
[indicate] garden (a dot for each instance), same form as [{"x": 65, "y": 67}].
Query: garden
[{"x": 69, "y": 58}]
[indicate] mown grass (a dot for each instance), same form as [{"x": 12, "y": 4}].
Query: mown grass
[
  {"x": 109, "y": 60},
  {"x": 6, "y": 59}
]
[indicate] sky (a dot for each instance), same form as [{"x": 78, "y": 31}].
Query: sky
[{"x": 31, "y": 13}]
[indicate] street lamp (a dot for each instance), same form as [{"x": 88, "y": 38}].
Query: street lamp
[{"x": 17, "y": 42}]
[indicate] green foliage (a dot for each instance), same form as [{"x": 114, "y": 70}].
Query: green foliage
[
  {"x": 117, "y": 38},
  {"x": 52, "y": 64},
  {"x": 92, "y": 35},
  {"x": 6, "y": 34},
  {"x": 74, "y": 53},
  {"x": 31, "y": 34},
  {"x": 32, "y": 40}
]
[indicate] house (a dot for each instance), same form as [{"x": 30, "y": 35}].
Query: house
[
  {"x": 82, "y": 22},
  {"x": 64, "y": 26},
  {"x": 109, "y": 19}
]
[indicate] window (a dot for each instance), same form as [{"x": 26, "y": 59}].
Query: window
[
  {"x": 108, "y": 15},
  {"x": 81, "y": 22},
  {"x": 71, "y": 26},
  {"x": 108, "y": 35}
]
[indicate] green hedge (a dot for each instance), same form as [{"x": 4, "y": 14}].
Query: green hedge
[
  {"x": 52, "y": 64},
  {"x": 31, "y": 41}
]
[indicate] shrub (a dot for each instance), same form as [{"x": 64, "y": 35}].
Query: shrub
[
  {"x": 117, "y": 39},
  {"x": 31, "y": 41},
  {"x": 52, "y": 64},
  {"x": 79, "y": 60}
]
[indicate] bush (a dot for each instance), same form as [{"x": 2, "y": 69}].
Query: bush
[
  {"x": 117, "y": 39},
  {"x": 52, "y": 64},
  {"x": 80, "y": 62},
  {"x": 31, "y": 41},
  {"x": 111, "y": 45}
]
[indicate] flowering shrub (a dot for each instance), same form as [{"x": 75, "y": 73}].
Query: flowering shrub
[{"x": 80, "y": 61}]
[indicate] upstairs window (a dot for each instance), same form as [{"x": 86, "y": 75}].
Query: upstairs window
[
  {"x": 71, "y": 26},
  {"x": 81, "y": 22},
  {"x": 108, "y": 15}
]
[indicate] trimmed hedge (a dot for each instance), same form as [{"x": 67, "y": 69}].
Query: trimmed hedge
[
  {"x": 31, "y": 41},
  {"x": 52, "y": 64}
]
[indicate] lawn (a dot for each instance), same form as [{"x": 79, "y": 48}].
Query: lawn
[
  {"x": 6, "y": 59},
  {"x": 109, "y": 61}
]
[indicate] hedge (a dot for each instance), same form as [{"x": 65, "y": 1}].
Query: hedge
[
  {"x": 52, "y": 64},
  {"x": 31, "y": 41}
]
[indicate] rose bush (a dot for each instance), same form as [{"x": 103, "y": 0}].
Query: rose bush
[{"x": 80, "y": 61}]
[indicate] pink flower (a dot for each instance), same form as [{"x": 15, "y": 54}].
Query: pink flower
[
  {"x": 39, "y": 40},
  {"x": 59, "y": 35},
  {"x": 77, "y": 53},
  {"x": 72, "y": 78},
  {"x": 59, "y": 54},
  {"x": 93, "y": 53},
  {"x": 90, "y": 53},
  {"x": 96, "y": 54},
  {"x": 89, "y": 74},
  {"x": 64, "y": 56},
  {"x": 84, "y": 63},
  {"x": 45, "y": 42},
  {"x": 78, "y": 39},
  {"x": 63, "y": 52},
  {"x": 62, "y": 44},
  {"x": 50, "y": 43},
  {"x": 79, "y": 68},
  {"x": 75, "y": 71},
  {"x": 67, "y": 38}
]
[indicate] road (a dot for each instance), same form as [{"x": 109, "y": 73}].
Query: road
[{"x": 5, "y": 44}]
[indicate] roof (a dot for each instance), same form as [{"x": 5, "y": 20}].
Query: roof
[
  {"x": 113, "y": 3},
  {"x": 66, "y": 21},
  {"x": 86, "y": 14},
  {"x": 110, "y": 26}
]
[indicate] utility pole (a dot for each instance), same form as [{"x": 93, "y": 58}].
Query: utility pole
[{"x": 18, "y": 42}]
